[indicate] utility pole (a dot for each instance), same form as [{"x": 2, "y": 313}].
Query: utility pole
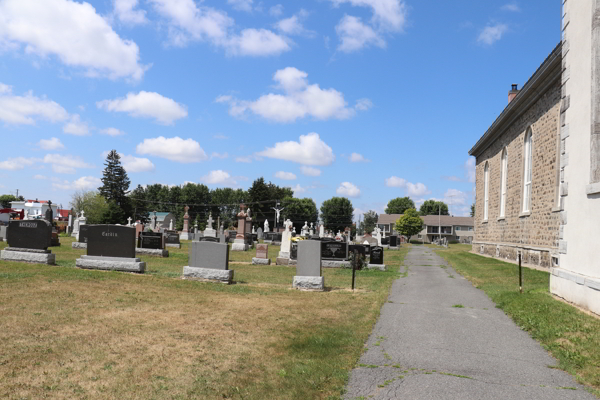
[{"x": 440, "y": 221}]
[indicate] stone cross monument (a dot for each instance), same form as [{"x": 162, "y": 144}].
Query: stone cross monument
[{"x": 185, "y": 233}]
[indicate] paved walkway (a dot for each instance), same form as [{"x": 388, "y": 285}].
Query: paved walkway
[{"x": 436, "y": 351}]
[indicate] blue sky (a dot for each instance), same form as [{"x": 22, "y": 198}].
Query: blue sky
[{"x": 367, "y": 99}]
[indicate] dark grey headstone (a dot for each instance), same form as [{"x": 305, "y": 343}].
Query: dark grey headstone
[
  {"x": 334, "y": 250},
  {"x": 393, "y": 241},
  {"x": 208, "y": 254},
  {"x": 362, "y": 249},
  {"x": 385, "y": 240},
  {"x": 209, "y": 239},
  {"x": 151, "y": 240},
  {"x": 294, "y": 251},
  {"x": 83, "y": 233},
  {"x": 172, "y": 237},
  {"x": 376, "y": 255},
  {"x": 29, "y": 234},
  {"x": 309, "y": 258},
  {"x": 111, "y": 241}
]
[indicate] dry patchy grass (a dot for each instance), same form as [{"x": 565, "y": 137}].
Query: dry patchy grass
[{"x": 78, "y": 334}]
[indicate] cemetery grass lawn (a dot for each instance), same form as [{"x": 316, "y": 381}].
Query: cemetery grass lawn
[
  {"x": 570, "y": 335},
  {"x": 68, "y": 333}
]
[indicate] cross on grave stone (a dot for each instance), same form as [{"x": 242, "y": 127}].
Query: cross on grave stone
[
  {"x": 129, "y": 221},
  {"x": 210, "y": 221}
]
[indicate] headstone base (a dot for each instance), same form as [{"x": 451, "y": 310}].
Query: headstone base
[
  {"x": 380, "y": 267},
  {"x": 208, "y": 274},
  {"x": 282, "y": 261},
  {"x": 111, "y": 264},
  {"x": 283, "y": 254},
  {"x": 314, "y": 283},
  {"x": 55, "y": 243},
  {"x": 78, "y": 245},
  {"x": 335, "y": 264},
  {"x": 152, "y": 252},
  {"x": 210, "y": 233},
  {"x": 394, "y": 248},
  {"x": 23, "y": 255},
  {"x": 174, "y": 245},
  {"x": 261, "y": 261},
  {"x": 239, "y": 245},
  {"x": 267, "y": 241},
  {"x": 184, "y": 236}
]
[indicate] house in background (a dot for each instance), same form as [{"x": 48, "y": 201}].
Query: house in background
[
  {"x": 163, "y": 220},
  {"x": 34, "y": 209},
  {"x": 387, "y": 222},
  {"x": 453, "y": 229}
]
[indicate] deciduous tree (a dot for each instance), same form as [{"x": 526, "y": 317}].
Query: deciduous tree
[
  {"x": 399, "y": 205},
  {"x": 432, "y": 207},
  {"x": 410, "y": 223},
  {"x": 337, "y": 213}
]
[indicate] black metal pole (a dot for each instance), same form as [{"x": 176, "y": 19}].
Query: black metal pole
[
  {"x": 354, "y": 267},
  {"x": 520, "y": 275}
]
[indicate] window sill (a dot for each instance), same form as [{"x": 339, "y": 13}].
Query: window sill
[
  {"x": 525, "y": 214},
  {"x": 556, "y": 209},
  {"x": 593, "y": 188},
  {"x": 485, "y": 221},
  {"x": 501, "y": 218}
]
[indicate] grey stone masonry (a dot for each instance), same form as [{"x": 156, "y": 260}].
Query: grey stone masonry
[
  {"x": 208, "y": 274},
  {"x": 380, "y": 267},
  {"x": 174, "y": 245},
  {"x": 316, "y": 283},
  {"x": 152, "y": 252},
  {"x": 335, "y": 264},
  {"x": 25, "y": 255},
  {"x": 79, "y": 245},
  {"x": 261, "y": 261},
  {"x": 308, "y": 269},
  {"x": 111, "y": 264}
]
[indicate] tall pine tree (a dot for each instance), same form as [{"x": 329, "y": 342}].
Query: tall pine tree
[{"x": 115, "y": 187}]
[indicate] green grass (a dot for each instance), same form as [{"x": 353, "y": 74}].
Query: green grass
[
  {"x": 570, "y": 335},
  {"x": 79, "y": 334}
]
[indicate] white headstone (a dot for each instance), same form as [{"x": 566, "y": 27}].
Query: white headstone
[
  {"x": 171, "y": 225},
  {"x": 129, "y": 221},
  {"x": 286, "y": 238},
  {"x": 266, "y": 226},
  {"x": 321, "y": 231},
  {"x": 378, "y": 231}
]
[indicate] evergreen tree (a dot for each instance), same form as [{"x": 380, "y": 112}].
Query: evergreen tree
[{"x": 115, "y": 187}]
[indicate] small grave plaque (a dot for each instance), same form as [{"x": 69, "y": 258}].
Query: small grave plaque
[
  {"x": 334, "y": 250},
  {"x": 262, "y": 251},
  {"x": 29, "y": 234},
  {"x": 111, "y": 241},
  {"x": 376, "y": 255}
]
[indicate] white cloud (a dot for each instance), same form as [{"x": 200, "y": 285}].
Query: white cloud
[
  {"x": 513, "y": 7},
  {"x": 470, "y": 169},
  {"x": 456, "y": 197},
  {"x": 348, "y": 189},
  {"x": 389, "y": 15},
  {"x": 147, "y": 105},
  {"x": 112, "y": 132},
  {"x": 83, "y": 183},
  {"x": 293, "y": 25},
  {"x": 276, "y": 10},
  {"x": 394, "y": 181},
  {"x": 288, "y": 176},
  {"x": 492, "y": 33},
  {"x": 218, "y": 177},
  {"x": 135, "y": 164},
  {"x": 310, "y": 171},
  {"x": 51, "y": 144},
  {"x": 356, "y": 157},
  {"x": 416, "y": 189},
  {"x": 24, "y": 110},
  {"x": 188, "y": 21},
  {"x": 354, "y": 35},
  {"x": 126, "y": 12},
  {"x": 40, "y": 177},
  {"x": 220, "y": 136},
  {"x": 71, "y": 31},
  {"x": 174, "y": 149},
  {"x": 412, "y": 189},
  {"x": 219, "y": 155},
  {"x": 241, "y": 5},
  {"x": 299, "y": 190},
  {"x": 14, "y": 164},
  {"x": 452, "y": 178},
  {"x": 363, "y": 104},
  {"x": 76, "y": 127},
  {"x": 65, "y": 164},
  {"x": 309, "y": 150},
  {"x": 244, "y": 159},
  {"x": 298, "y": 101}
]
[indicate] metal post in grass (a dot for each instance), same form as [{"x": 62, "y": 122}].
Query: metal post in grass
[
  {"x": 520, "y": 275},
  {"x": 354, "y": 262}
]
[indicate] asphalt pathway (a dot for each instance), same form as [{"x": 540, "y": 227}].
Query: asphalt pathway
[{"x": 425, "y": 346}]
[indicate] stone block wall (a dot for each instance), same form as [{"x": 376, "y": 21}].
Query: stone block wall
[{"x": 535, "y": 235}]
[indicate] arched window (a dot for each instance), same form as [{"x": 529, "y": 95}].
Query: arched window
[
  {"x": 527, "y": 173},
  {"x": 486, "y": 184},
  {"x": 503, "y": 182}
]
